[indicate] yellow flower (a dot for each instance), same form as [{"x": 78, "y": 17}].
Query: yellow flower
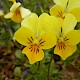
[
  {"x": 67, "y": 37},
  {"x": 63, "y": 7},
  {"x": 32, "y": 35},
  {"x": 13, "y": 0},
  {"x": 17, "y": 13}
]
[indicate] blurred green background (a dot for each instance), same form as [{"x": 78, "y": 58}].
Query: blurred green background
[{"x": 15, "y": 66}]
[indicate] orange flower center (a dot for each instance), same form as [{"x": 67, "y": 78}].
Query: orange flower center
[
  {"x": 62, "y": 42},
  {"x": 34, "y": 48},
  {"x": 61, "y": 15},
  {"x": 17, "y": 12},
  {"x": 61, "y": 45}
]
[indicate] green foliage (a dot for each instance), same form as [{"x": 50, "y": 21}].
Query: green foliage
[
  {"x": 19, "y": 54},
  {"x": 17, "y": 71}
]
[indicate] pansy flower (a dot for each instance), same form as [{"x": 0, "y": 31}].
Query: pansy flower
[
  {"x": 17, "y": 12},
  {"x": 67, "y": 37},
  {"x": 31, "y": 35},
  {"x": 63, "y": 7}
]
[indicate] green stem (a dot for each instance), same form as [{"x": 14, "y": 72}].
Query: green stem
[
  {"x": 49, "y": 66},
  {"x": 38, "y": 65}
]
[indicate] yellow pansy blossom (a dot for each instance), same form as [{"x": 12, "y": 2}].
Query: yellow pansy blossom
[
  {"x": 63, "y": 7},
  {"x": 17, "y": 12},
  {"x": 67, "y": 37},
  {"x": 34, "y": 38}
]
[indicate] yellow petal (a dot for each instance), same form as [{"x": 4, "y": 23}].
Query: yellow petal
[
  {"x": 76, "y": 13},
  {"x": 63, "y": 3},
  {"x": 73, "y": 4},
  {"x": 31, "y": 22},
  {"x": 33, "y": 56},
  {"x": 57, "y": 11},
  {"x": 24, "y": 36},
  {"x": 15, "y": 6},
  {"x": 24, "y": 12},
  {"x": 50, "y": 23},
  {"x": 9, "y": 15},
  {"x": 73, "y": 37},
  {"x": 47, "y": 40},
  {"x": 16, "y": 17},
  {"x": 69, "y": 23},
  {"x": 40, "y": 30},
  {"x": 65, "y": 53}
]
